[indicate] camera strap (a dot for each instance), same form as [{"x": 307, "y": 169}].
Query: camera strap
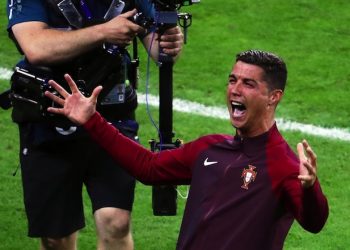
[
  {"x": 68, "y": 9},
  {"x": 78, "y": 13},
  {"x": 134, "y": 65}
]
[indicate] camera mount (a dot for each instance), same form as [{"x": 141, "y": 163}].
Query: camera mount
[{"x": 164, "y": 197}]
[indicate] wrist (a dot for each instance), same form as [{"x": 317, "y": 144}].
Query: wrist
[
  {"x": 91, "y": 120},
  {"x": 99, "y": 33}
]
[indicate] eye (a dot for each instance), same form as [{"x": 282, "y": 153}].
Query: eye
[
  {"x": 232, "y": 80},
  {"x": 249, "y": 84}
]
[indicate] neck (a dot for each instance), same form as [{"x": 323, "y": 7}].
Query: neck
[{"x": 252, "y": 132}]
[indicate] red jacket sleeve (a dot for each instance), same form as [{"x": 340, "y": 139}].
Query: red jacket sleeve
[
  {"x": 168, "y": 166},
  {"x": 308, "y": 205}
]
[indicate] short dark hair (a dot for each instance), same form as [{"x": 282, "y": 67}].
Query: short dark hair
[{"x": 274, "y": 67}]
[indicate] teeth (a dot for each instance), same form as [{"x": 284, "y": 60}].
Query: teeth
[{"x": 236, "y": 104}]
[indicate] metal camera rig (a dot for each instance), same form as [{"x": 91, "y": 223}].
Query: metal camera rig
[{"x": 164, "y": 197}]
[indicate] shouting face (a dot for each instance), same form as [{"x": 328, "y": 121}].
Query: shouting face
[{"x": 250, "y": 102}]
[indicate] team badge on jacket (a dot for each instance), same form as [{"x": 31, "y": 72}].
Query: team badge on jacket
[{"x": 248, "y": 175}]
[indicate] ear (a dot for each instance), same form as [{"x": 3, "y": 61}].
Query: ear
[{"x": 275, "y": 97}]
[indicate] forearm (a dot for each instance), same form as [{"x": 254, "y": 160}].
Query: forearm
[
  {"x": 309, "y": 206},
  {"x": 146, "y": 166},
  {"x": 151, "y": 44},
  {"x": 118, "y": 146},
  {"x": 315, "y": 209},
  {"x": 43, "y": 45}
]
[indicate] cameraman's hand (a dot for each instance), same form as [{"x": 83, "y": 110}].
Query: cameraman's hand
[
  {"x": 120, "y": 30},
  {"x": 172, "y": 41},
  {"x": 75, "y": 106}
]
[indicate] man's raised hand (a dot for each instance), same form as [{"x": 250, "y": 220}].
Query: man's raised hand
[
  {"x": 308, "y": 166},
  {"x": 75, "y": 106}
]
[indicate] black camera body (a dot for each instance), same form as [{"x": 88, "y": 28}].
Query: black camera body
[
  {"x": 143, "y": 21},
  {"x": 164, "y": 197},
  {"x": 27, "y": 96}
]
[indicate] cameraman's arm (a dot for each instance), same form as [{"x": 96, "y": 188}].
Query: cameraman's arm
[
  {"x": 44, "y": 45},
  {"x": 171, "y": 41}
]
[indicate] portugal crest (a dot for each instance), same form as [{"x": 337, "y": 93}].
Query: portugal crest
[{"x": 248, "y": 175}]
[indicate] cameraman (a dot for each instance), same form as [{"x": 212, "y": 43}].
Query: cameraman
[{"x": 52, "y": 175}]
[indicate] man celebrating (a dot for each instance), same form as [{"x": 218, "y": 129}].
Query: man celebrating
[{"x": 246, "y": 190}]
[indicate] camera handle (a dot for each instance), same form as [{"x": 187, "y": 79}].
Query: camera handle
[{"x": 164, "y": 197}]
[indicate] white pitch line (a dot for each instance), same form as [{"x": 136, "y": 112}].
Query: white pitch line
[
  {"x": 5, "y": 74},
  {"x": 221, "y": 113}
]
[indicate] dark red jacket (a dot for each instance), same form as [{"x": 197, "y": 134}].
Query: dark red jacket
[{"x": 244, "y": 192}]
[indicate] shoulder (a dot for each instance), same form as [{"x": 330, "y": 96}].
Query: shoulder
[
  {"x": 281, "y": 159},
  {"x": 212, "y": 139},
  {"x": 26, "y": 11},
  {"x": 278, "y": 149},
  {"x": 191, "y": 150}
]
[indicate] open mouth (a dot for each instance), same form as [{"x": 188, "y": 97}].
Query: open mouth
[{"x": 238, "y": 109}]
